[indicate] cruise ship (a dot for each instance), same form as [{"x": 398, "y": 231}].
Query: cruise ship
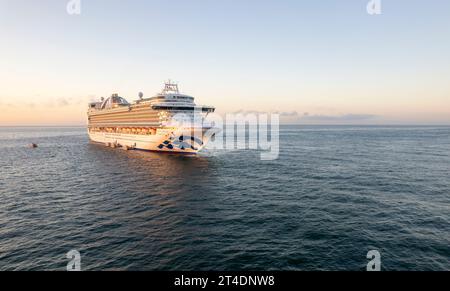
[{"x": 168, "y": 122}]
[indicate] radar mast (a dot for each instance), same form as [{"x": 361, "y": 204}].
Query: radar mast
[{"x": 170, "y": 87}]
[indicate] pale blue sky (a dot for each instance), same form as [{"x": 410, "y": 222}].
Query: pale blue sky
[{"x": 327, "y": 58}]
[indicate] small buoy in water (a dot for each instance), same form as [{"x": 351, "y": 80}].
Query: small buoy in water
[{"x": 33, "y": 145}]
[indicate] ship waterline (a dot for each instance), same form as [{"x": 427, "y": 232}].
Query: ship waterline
[
  {"x": 185, "y": 140},
  {"x": 151, "y": 124}
]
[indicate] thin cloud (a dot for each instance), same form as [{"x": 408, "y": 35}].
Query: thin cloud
[
  {"x": 59, "y": 102},
  {"x": 62, "y": 102},
  {"x": 307, "y": 118},
  {"x": 281, "y": 113},
  {"x": 339, "y": 118}
]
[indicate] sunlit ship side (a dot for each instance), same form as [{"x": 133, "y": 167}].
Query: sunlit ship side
[{"x": 167, "y": 122}]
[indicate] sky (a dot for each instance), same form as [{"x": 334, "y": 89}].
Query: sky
[{"x": 314, "y": 62}]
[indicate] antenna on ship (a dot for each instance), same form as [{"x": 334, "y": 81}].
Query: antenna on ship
[{"x": 170, "y": 87}]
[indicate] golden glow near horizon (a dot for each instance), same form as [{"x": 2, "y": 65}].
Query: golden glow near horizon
[
  {"x": 333, "y": 68},
  {"x": 342, "y": 102},
  {"x": 309, "y": 107}
]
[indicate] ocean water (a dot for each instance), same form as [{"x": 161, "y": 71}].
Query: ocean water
[{"x": 335, "y": 193}]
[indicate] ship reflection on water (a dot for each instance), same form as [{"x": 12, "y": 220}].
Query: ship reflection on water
[
  {"x": 154, "y": 201},
  {"x": 144, "y": 167}
]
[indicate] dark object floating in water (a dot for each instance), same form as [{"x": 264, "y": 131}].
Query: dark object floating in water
[{"x": 33, "y": 145}]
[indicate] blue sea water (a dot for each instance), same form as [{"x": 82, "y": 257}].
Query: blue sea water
[{"x": 335, "y": 193}]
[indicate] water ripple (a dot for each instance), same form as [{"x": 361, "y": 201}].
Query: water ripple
[{"x": 334, "y": 194}]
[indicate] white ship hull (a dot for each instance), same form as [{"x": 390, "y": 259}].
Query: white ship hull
[{"x": 165, "y": 140}]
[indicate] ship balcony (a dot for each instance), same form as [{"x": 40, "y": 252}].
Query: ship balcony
[{"x": 185, "y": 107}]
